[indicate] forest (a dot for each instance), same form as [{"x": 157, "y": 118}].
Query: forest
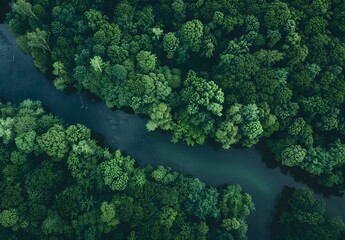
[
  {"x": 56, "y": 183},
  {"x": 234, "y": 72},
  {"x": 239, "y": 73},
  {"x": 304, "y": 217}
]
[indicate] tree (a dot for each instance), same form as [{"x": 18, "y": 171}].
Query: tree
[
  {"x": 54, "y": 142},
  {"x": 274, "y": 37},
  {"x": 117, "y": 54},
  {"x": 231, "y": 224},
  {"x": 234, "y": 203},
  {"x": 293, "y": 155},
  {"x": 160, "y": 116},
  {"x": 26, "y": 142},
  {"x": 201, "y": 93},
  {"x": 68, "y": 202},
  {"x": 227, "y": 134},
  {"x": 168, "y": 216},
  {"x": 209, "y": 48},
  {"x": 9, "y": 217},
  {"x": 39, "y": 39},
  {"x": 250, "y": 112},
  {"x": 297, "y": 126},
  {"x": 6, "y": 131},
  {"x": 337, "y": 153},
  {"x": 315, "y": 160},
  {"x": 108, "y": 214},
  {"x": 77, "y": 133},
  {"x": 82, "y": 162},
  {"x": 18, "y": 158},
  {"x": 24, "y": 8},
  {"x": 191, "y": 34},
  {"x": 157, "y": 33},
  {"x": 119, "y": 72},
  {"x": 112, "y": 33},
  {"x": 278, "y": 13},
  {"x": 252, "y": 130},
  {"x": 95, "y": 19},
  {"x": 97, "y": 64},
  {"x": 115, "y": 172},
  {"x": 170, "y": 44},
  {"x": 146, "y": 61},
  {"x": 179, "y": 9},
  {"x": 62, "y": 80},
  {"x": 53, "y": 224},
  {"x": 201, "y": 201},
  {"x": 172, "y": 76},
  {"x": 190, "y": 133},
  {"x": 164, "y": 175},
  {"x": 148, "y": 89}
]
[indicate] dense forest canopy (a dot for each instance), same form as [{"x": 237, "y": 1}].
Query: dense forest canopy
[
  {"x": 232, "y": 71},
  {"x": 304, "y": 217},
  {"x": 56, "y": 182}
]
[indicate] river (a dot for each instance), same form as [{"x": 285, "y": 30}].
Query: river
[{"x": 19, "y": 80}]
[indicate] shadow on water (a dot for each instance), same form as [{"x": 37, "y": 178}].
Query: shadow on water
[
  {"x": 281, "y": 205},
  {"x": 4, "y": 8}
]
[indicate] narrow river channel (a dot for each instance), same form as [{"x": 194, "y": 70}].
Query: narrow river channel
[{"x": 19, "y": 80}]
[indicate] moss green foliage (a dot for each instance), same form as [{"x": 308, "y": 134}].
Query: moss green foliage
[
  {"x": 57, "y": 183},
  {"x": 306, "y": 218},
  {"x": 234, "y": 71}
]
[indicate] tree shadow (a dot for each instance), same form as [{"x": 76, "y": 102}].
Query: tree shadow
[
  {"x": 4, "y": 8},
  {"x": 280, "y": 206}
]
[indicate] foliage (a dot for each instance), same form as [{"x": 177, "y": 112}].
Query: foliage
[
  {"x": 57, "y": 183},
  {"x": 186, "y": 70},
  {"x": 305, "y": 218}
]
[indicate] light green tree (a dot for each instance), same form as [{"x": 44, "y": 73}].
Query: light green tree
[
  {"x": 191, "y": 34},
  {"x": 54, "y": 142},
  {"x": 9, "y": 217},
  {"x": 6, "y": 129},
  {"x": 167, "y": 216},
  {"x": 39, "y": 39},
  {"x": 157, "y": 33},
  {"x": 231, "y": 224},
  {"x": 293, "y": 155},
  {"x": 82, "y": 162},
  {"x": 227, "y": 134},
  {"x": 202, "y": 201},
  {"x": 24, "y": 8},
  {"x": 97, "y": 64},
  {"x": 77, "y": 133},
  {"x": 26, "y": 141},
  {"x": 170, "y": 44},
  {"x": 146, "y": 61},
  {"x": 116, "y": 171},
  {"x": 164, "y": 175},
  {"x": 108, "y": 214},
  {"x": 159, "y": 117},
  {"x": 199, "y": 92}
]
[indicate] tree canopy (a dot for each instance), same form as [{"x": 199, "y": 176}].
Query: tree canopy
[
  {"x": 56, "y": 182},
  {"x": 188, "y": 64}
]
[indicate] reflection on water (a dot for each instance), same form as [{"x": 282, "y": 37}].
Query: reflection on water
[
  {"x": 4, "y": 8},
  {"x": 19, "y": 80}
]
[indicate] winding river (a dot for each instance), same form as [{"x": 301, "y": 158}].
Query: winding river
[{"x": 19, "y": 80}]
